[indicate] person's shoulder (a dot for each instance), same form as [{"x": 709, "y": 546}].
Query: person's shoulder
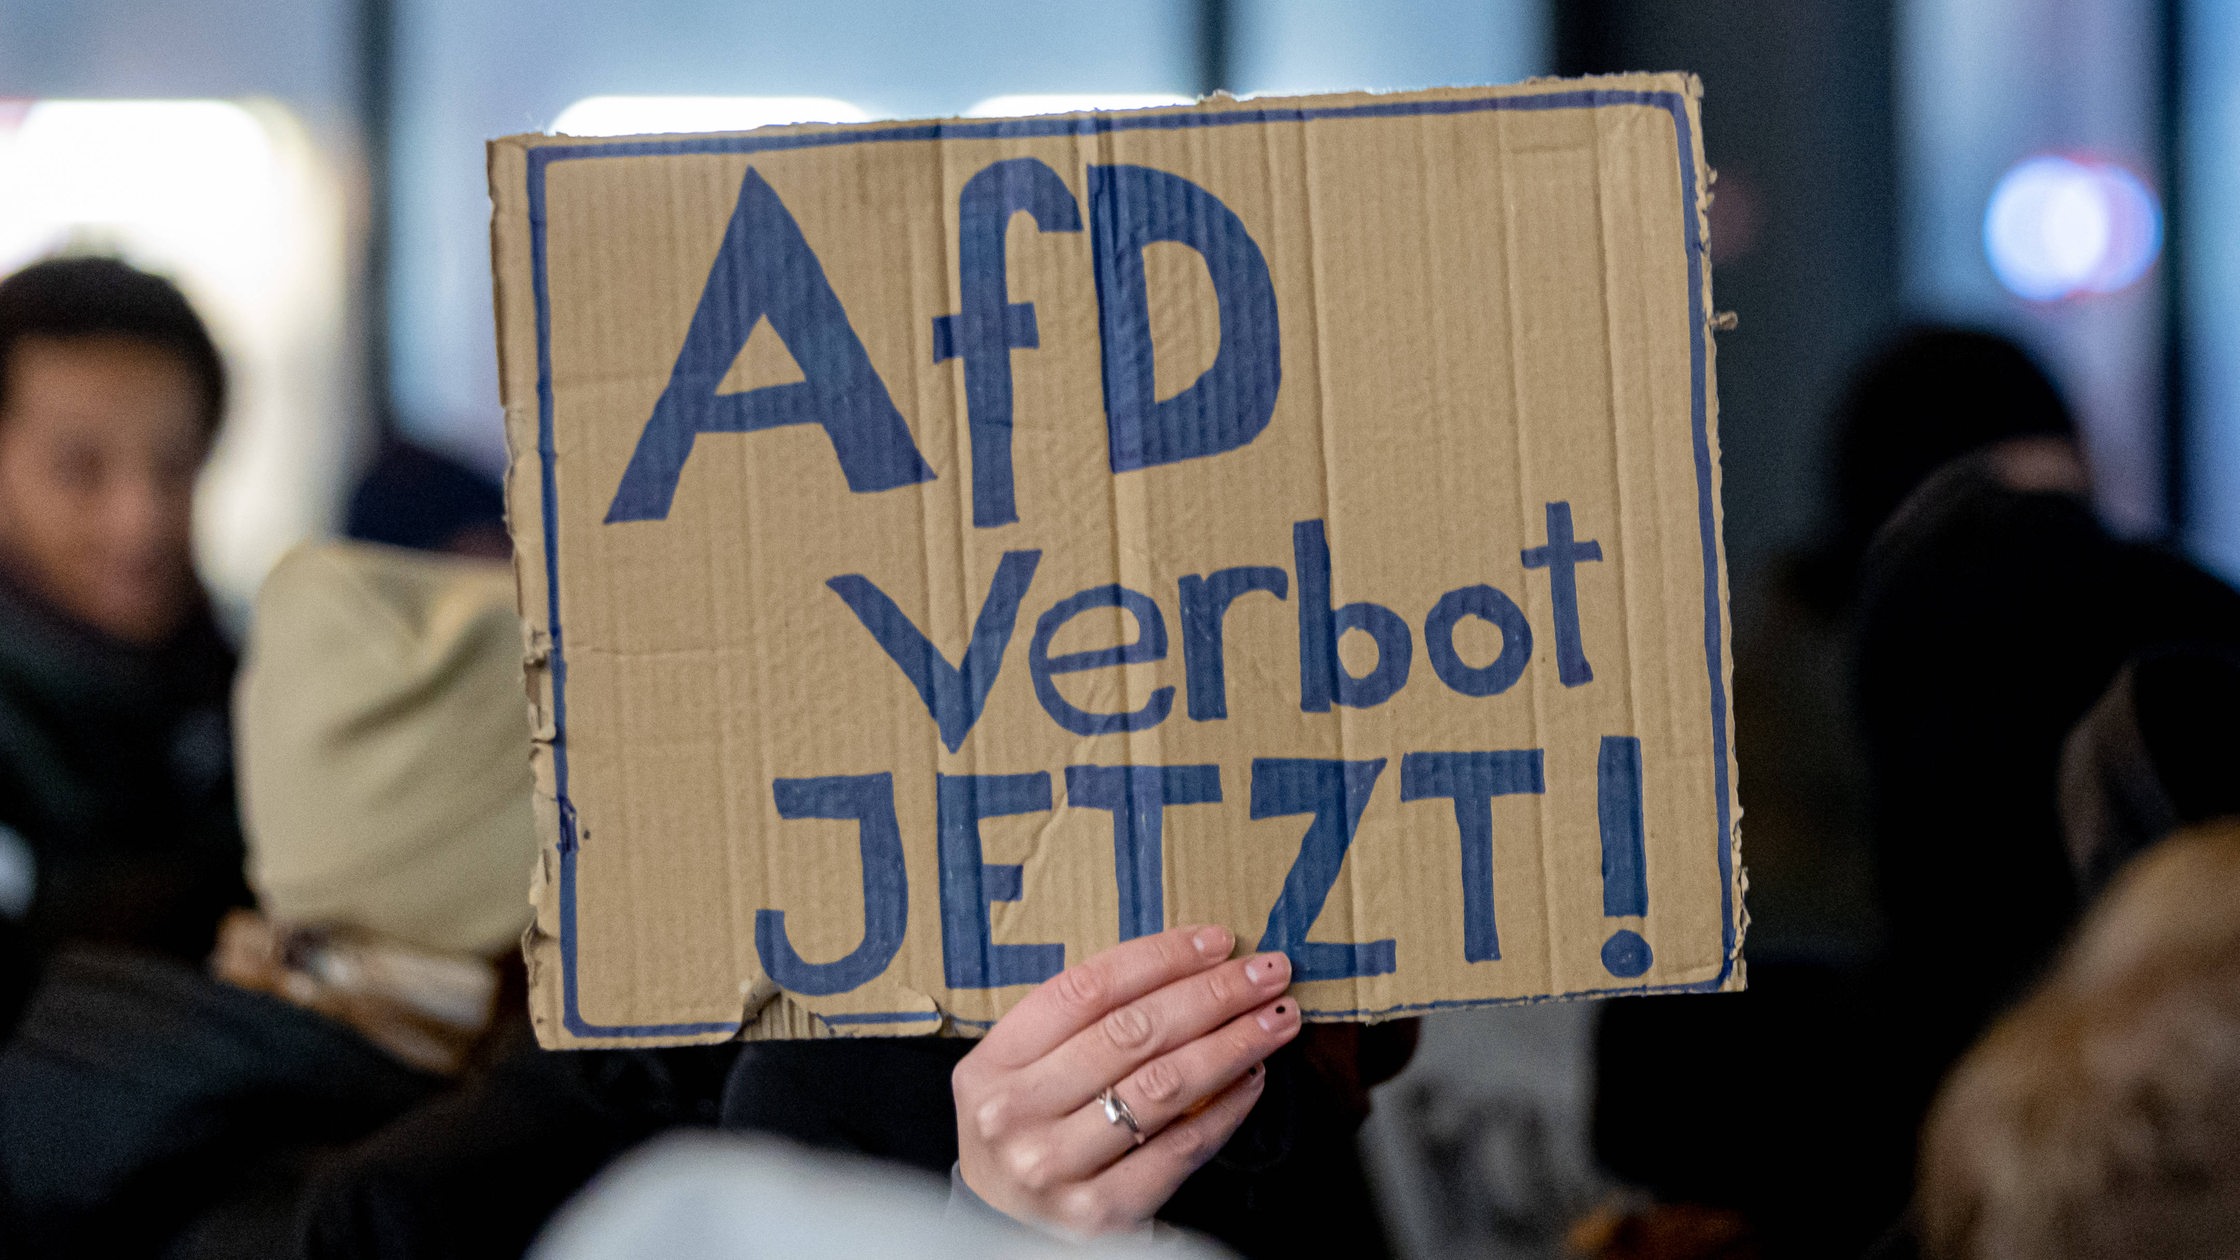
[
  {"x": 31, "y": 762},
  {"x": 479, "y": 1168},
  {"x": 136, "y": 1083},
  {"x": 117, "y": 1021},
  {"x": 1967, "y": 508}
]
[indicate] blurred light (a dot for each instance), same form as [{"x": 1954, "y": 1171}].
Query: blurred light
[
  {"x": 1070, "y": 103},
  {"x": 174, "y": 177},
  {"x": 2058, "y": 227},
  {"x": 664, "y": 115}
]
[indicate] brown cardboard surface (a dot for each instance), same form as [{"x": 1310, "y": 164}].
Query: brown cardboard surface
[{"x": 1464, "y": 320}]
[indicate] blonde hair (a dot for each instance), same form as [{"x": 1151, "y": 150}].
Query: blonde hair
[{"x": 2101, "y": 1117}]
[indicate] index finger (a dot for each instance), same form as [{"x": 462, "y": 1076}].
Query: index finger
[{"x": 1081, "y": 994}]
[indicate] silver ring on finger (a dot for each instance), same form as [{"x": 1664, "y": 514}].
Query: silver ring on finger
[{"x": 1118, "y": 1114}]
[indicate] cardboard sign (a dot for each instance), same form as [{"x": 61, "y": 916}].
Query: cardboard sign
[{"x": 951, "y": 548}]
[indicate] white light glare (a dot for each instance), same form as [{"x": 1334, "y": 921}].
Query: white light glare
[
  {"x": 662, "y": 115},
  {"x": 194, "y": 183},
  {"x": 1069, "y": 103},
  {"x": 2058, "y": 227}
]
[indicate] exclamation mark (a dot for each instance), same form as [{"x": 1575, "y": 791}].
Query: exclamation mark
[{"x": 1625, "y": 872}]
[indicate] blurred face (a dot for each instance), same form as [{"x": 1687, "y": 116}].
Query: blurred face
[{"x": 100, "y": 441}]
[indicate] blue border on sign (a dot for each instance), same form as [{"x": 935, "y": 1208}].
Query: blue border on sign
[{"x": 544, "y": 156}]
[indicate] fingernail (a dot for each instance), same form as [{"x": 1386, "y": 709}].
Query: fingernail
[
  {"x": 1269, "y": 970},
  {"x": 1278, "y": 1017},
  {"x": 1213, "y": 942}
]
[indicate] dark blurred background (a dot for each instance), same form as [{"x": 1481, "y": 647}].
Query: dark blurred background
[
  {"x": 314, "y": 170},
  {"x": 2054, "y": 170}
]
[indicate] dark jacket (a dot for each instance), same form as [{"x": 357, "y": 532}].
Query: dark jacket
[
  {"x": 116, "y": 779},
  {"x": 478, "y": 1171},
  {"x": 146, "y": 1110},
  {"x": 1289, "y": 1183},
  {"x": 1991, "y": 620}
]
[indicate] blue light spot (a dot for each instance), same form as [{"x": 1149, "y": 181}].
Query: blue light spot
[{"x": 2058, "y": 227}]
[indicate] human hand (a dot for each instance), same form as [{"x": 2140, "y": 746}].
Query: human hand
[{"x": 1172, "y": 1025}]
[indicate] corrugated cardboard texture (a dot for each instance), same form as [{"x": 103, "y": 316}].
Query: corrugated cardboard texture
[{"x": 1390, "y": 417}]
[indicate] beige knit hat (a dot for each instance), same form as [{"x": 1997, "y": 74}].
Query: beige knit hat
[{"x": 383, "y": 744}]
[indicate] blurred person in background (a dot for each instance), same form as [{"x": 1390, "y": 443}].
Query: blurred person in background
[
  {"x": 353, "y": 1072},
  {"x": 386, "y": 783},
  {"x": 2101, "y": 1117},
  {"x": 1997, "y": 611},
  {"x": 117, "y": 818},
  {"x": 1782, "y": 1161},
  {"x": 1925, "y": 397}
]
